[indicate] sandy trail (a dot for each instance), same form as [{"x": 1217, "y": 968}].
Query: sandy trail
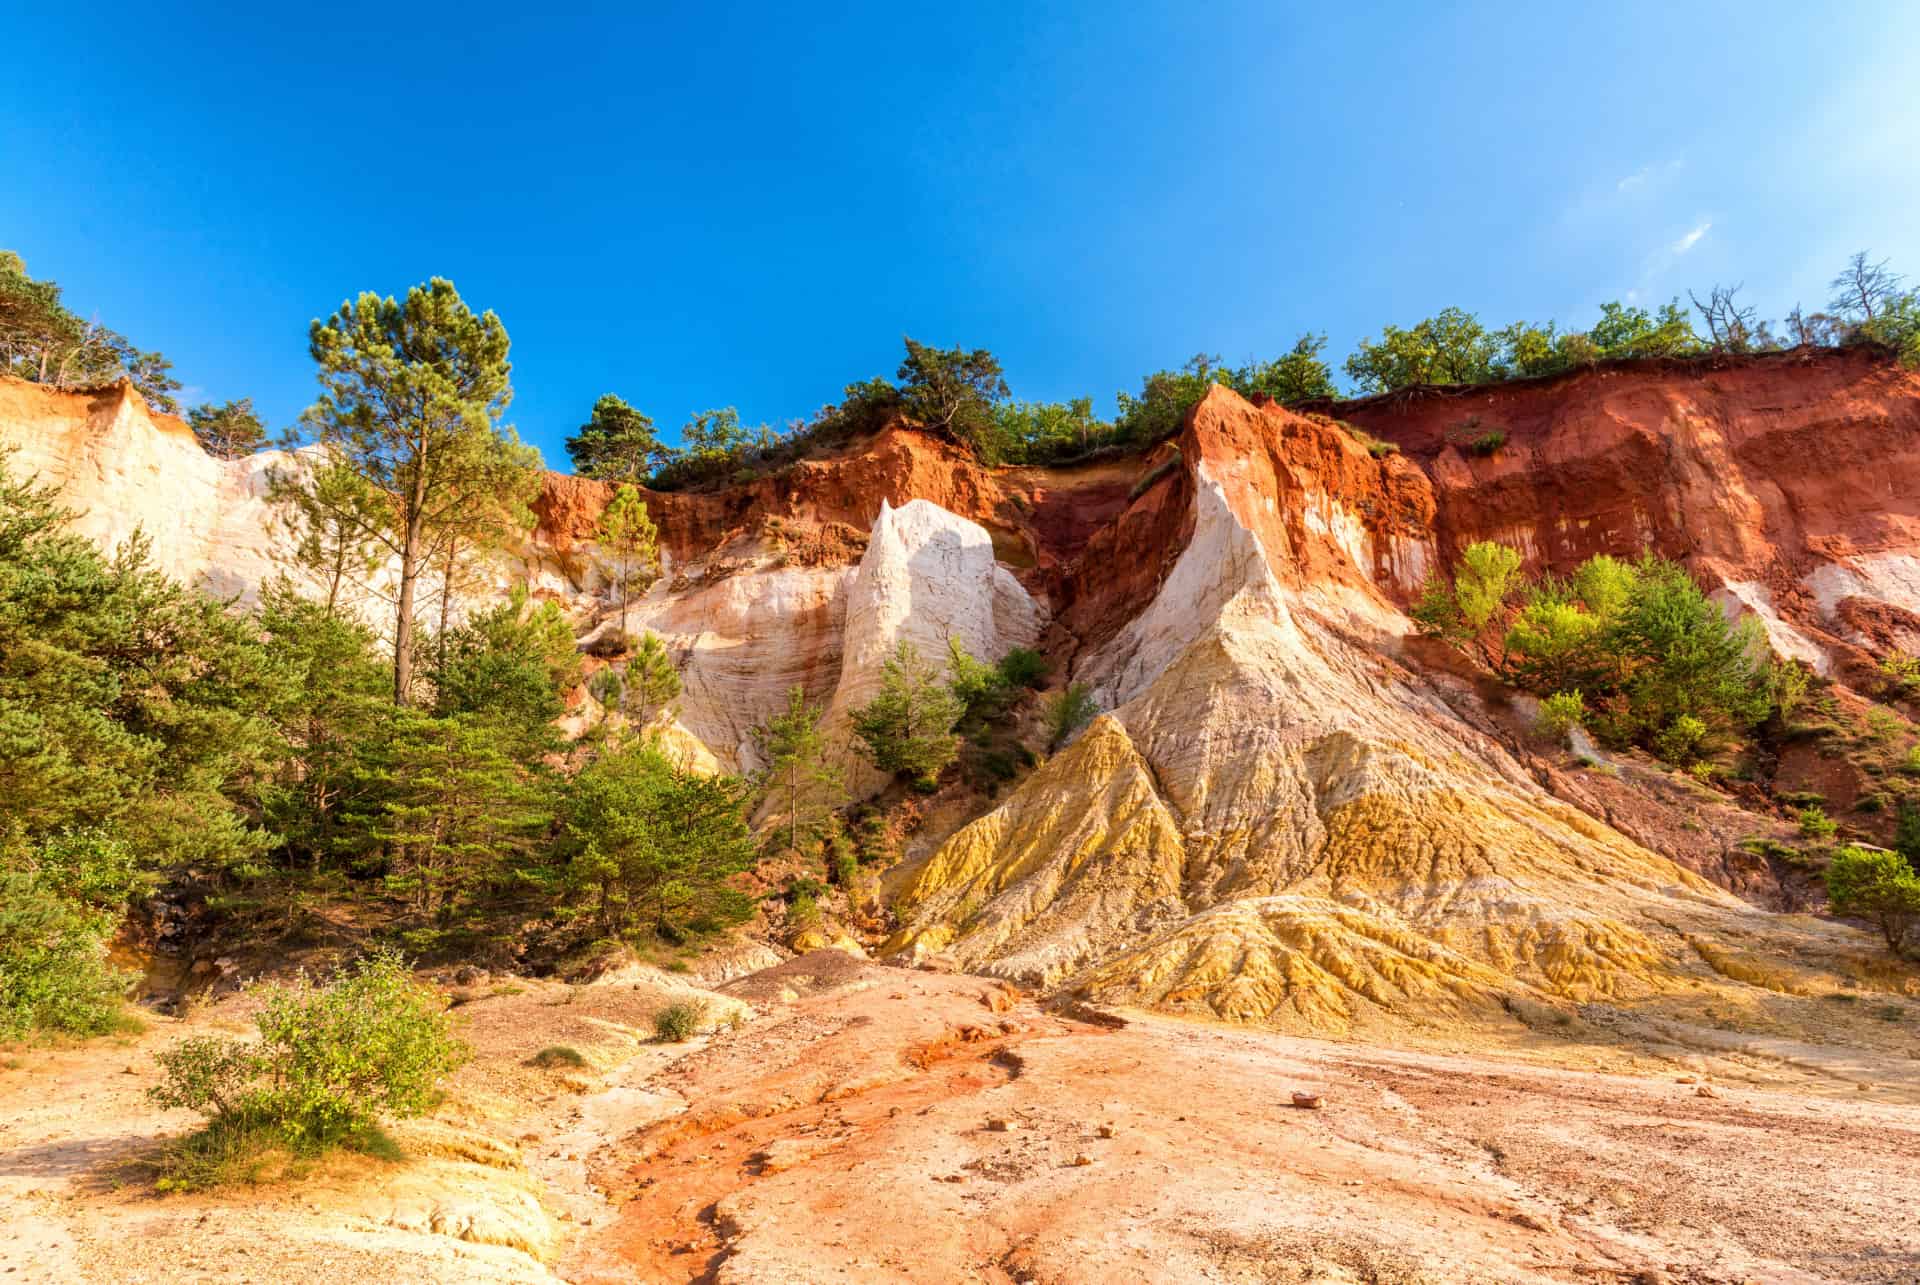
[
  {"x": 877, "y": 1124},
  {"x": 825, "y": 1147}
]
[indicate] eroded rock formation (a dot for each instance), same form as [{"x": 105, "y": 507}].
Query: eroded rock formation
[{"x": 1287, "y": 813}]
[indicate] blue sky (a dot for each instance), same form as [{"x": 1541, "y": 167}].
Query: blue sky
[{"x": 719, "y": 204}]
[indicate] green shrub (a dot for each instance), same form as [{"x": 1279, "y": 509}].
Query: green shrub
[
  {"x": 1680, "y": 741},
  {"x": 1487, "y": 443},
  {"x": 1902, "y": 672},
  {"x": 248, "y": 1149},
  {"x": 1877, "y": 885},
  {"x": 556, "y": 1057},
  {"x": 652, "y": 844},
  {"x": 1657, "y": 661},
  {"x": 1067, "y": 712},
  {"x": 1762, "y": 846},
  {"x": 1815, "y": 824},
  {"x": 1906, "y": 833},
  {"x": 1883, "y": 725},
  {"x": 1023, "y": 667},
  {"x": 679, "y": 1022},
  {"x": 1560, "y": 713},
  {"x": 89, "y": 865},
  {"x": 986, "y": 693},
  {"x": 330, "y": 1060},
  {"x": 800, "y": 887},
  {"x": 843, "y": 862},
  {"x": 1788, "y": 680},
  {"x": 1911, "y": 763},
  {"x": 907, "y": 728},
  {"x": 54, "y": 974},
  {"x": 1486, "y": 577}
]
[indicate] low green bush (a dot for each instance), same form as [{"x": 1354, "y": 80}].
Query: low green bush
[
  {"x": 1680, "y": 741},
  {"x": 330, "y": 1061},
  {"x": 1024, "y": 667},
  {"x": 680, "y": 1022},
  {"x": 1067, "y": 712},
  {"x": 1875, "y": 884},
  {"x": 54, "y": 974},
  {"x": 1902, "y": 672},
  {"x": 1560, "y": 713},
  {"x": 557, "y": 1057},
  {"x": 1657, "y": 661},
  {"x": 1814, "y": 822}
]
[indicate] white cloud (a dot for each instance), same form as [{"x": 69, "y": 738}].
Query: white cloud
[
  {"x": 1648, "y": 173},
  {"x": 1691, "y": 239}
]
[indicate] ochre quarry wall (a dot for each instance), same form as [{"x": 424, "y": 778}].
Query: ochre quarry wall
[
  {"x": 1791, "y": 479},
  {"x": 1279, "y": 822},
  {"x": 1279, "y": 817}
]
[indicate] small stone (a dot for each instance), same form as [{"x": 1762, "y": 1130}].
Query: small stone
[
  {"x": 999, "y": 1124},
  {"x": 1688, "y": 1079},
  {"x": 1706, "y": 1091},
  {"x": 1106, "y": 1131},
  {"x": 1081, "y": 1160},
  {"x": 1308, "y": 1101}
]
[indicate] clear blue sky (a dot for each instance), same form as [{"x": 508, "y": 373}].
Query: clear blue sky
[{"x": 714, "y": 204}]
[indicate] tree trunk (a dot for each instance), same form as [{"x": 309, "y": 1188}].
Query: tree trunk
[
  {"x": 409, "y": 575},
  {"x": 446, "y": 596},
  {"x": 403, "y": 620},
  {"x": 339, "y": 574}
]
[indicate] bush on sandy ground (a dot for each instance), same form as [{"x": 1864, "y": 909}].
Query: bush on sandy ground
[{"x": 330, "y": 1062}]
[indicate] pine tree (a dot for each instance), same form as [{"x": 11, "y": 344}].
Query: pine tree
[
  {"x": 334, "y": 707},
  {"x": 650, "y": 681},
  {"x": 652, "y": 841},
  {"x": 908, "y": 728},
  {"x": 795, "y": 774},
  {"x": 126, "y": 700},
  {"x": 411, "y": 393},
  {"x": 228, "y": 431},
  {"x": 457, "y": 806},
  {"x": 627, "y": 535},
  {"x": 329, "y": 521},
  {"x": 617, "y": 444},
  {"x": 512, "y": 664},
  {"x": 492, "y": 505}
]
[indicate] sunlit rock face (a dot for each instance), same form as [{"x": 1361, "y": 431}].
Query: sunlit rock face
[{"x": 1280, "y": 816}]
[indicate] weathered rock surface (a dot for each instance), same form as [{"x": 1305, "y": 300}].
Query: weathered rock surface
[{"x": 1288, "y": 813}]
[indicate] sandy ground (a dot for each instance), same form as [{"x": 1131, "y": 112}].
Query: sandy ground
[{"x": 876, "y": 1124}]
